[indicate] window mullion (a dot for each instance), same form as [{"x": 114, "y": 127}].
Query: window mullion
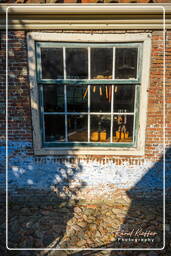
[
  {"x": 89, "y": 76},
  {"x": 64, "y": 62},
  {"x": 111, "y": 125},
  {"x": 112, "y": 98},
  {"x": 113, "y": 70},
  {"x": 88, "y": 113},
  {"x": 89, "y": 64},
  {"x": 42, "y": 112},
  {"x": 65, "y": 95},
  {"x": 65, "y": 106},
  {"x": 137, "y": 77},
  {"x": 135, "y": 111}
]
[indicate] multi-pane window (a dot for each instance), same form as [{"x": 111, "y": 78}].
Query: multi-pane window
[{"x": 89, "y": 93}]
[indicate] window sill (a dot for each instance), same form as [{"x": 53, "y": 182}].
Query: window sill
[{"x": 90, "y": 151}]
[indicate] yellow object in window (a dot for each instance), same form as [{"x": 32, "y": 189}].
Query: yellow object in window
[
  {"x": 94, "y": 136},
  {"x": 126, "y": 135},
  {"x": 122, "y": 135},
  {"x": 103, "y": 136},
  {"x": 117, "y": 134},
  {"x": 101, "y": 93}
]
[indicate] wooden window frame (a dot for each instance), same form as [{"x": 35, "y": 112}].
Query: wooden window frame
[
  {"x": 89, "y": 82},
  {"x": 36, "y": 39}
]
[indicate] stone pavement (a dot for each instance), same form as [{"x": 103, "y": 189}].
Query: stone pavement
[{"x": 47, "y": 222}]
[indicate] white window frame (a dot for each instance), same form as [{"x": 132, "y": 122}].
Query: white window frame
[{"x": 144, "y": 38}]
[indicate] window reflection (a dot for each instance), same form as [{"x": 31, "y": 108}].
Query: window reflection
[
  {"x": 101, "y": 63},
  {"x": 126, "y": 63},
  {"x": 53, "y": 98},
  {"x": 76, "y": 63},
  {"x": 77, "y": 128},
  {"x": 52, "y": 63},
  {"x": 124, "y": 98},
  {"x": 77, "y": 98},
  {"x": 100, "y": 96},
  {"x": 54, "y": 128}
]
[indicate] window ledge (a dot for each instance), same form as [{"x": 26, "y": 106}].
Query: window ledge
[{"x": 90, "y": 151}]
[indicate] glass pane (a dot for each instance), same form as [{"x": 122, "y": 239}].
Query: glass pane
[
  {"x": 126, "y": 63},
  {"x": 77, "y": 63},
  {"x": 52, "y": 63},
  {"x": 100, "y": 128},
  {"x": 77, "y": 128},
  {"x": 54, "y": 127},
  {"x": 101, "y": 63},
  {"x": 53, "y": 98},
  {"x": 100, "y": 99},
  {"x": 77, "y": 98},
  {"x": 123, "y": 128},
  {"x": 124, "y": 98}
]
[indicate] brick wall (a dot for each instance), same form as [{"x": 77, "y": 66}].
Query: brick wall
[
  {"x": 154, "y": 129},
  {"x": 19, "y": 99},
  {"x": 168, "y": 90},
  {"x": 20, "y": 126}
]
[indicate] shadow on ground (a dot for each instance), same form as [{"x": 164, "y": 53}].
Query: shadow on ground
[
  {"x": 59, "y": 220},
  {"x": 143, "y": 223}
]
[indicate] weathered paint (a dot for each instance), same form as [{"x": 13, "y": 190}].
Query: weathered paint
[{"x": 46, "y": 172}]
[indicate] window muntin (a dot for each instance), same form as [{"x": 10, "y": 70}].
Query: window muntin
[{"x": 91, "y": 111}]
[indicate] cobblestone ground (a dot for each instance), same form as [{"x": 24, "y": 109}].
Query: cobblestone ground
[{"x": 41, "y": 222}]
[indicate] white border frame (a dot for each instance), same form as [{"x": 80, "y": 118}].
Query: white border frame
[{"x": 164, "y": 71}]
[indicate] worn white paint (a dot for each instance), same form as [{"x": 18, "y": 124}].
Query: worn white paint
[
  {"x": 47, "y": 172},
  {"x": 88, "y": 37},
  {"x": 34, "y": 93}
]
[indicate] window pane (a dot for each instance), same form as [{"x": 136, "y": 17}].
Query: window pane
[
  {"x": 77, "y": 128},
  {"x": 52, "y": 63},
  {"x": 123, "y": 128},
  {"x": 100, "y": 98},
  {"x": 77, "y": 63},
  {"x": 53, "y": 98},
  {"x": 126, "y": 63},
  {"x": 101, "y": 63},
  {"x": 54, "y": 127},
  {"x": 77, "y": 98},
  {"x": 100, "y": 128},
  {"x": 124, "y": 98}
]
